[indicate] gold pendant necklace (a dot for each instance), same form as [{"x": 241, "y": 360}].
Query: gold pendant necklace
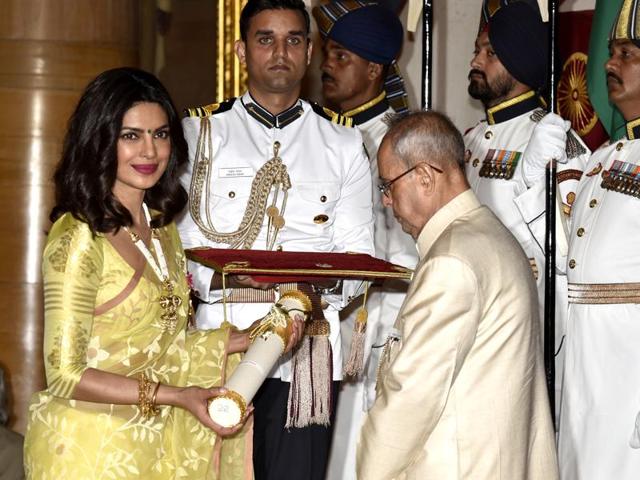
[{"x": 169, "y": 301}]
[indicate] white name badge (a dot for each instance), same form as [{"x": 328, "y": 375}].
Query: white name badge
[{"x": 236, "y": 172}]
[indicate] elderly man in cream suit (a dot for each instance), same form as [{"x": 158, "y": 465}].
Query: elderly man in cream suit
[{"x": 461, "y": 389}]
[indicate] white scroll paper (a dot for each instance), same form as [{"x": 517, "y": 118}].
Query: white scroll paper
[{"x": 269, "y": 340}]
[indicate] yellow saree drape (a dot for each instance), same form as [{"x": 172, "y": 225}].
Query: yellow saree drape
[{"x": 100, "y": 313}]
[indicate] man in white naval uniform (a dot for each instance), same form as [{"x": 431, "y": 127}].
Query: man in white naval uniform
[
  {"x": 506, "y": 79},
  {"x": 360, "y": 43},
  {"x": 271, "y": 134},
  {"x": 599, "y": 435}
]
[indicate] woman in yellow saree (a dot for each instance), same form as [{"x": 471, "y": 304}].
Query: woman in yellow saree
[{"x": 127, "y": 380}]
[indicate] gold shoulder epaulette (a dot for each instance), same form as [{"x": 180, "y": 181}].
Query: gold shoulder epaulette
[
  {"x": 207, "y": 110},
  {"x": 334, "y": 117}
]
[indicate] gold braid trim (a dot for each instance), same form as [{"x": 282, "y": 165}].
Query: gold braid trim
[
  {"x": 276, "y": 319},
  {"x": 272, "y": 174},
  {"x": 301, "y": 297},
  {"x": 317, "y": 328}
]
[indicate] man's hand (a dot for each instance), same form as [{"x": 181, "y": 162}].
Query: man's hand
[
  {"x": 548, "y": 142},
  {"x": 248, "y": 281},
  {"x": 238, "y": 281},
  {"x": 326, "y": 285}
]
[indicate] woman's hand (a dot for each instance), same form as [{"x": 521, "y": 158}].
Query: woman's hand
[
  {"x": 195, "y": 400},
  {"x": 297, "y": 332},
  {"x": 239, "y": 339}
]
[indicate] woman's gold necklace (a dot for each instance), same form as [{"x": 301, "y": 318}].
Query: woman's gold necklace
[{"x": 170, "y": 301}]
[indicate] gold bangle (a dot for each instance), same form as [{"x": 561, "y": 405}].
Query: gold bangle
[
  {"x": 153, "y": 398},
  {"x": 147, "y": 407}
]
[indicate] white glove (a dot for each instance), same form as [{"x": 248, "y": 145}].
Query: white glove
[{"x": 547, "y": 142}]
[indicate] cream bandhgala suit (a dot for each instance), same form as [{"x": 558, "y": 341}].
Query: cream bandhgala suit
[
  {"x": 461, "y": 390},
  {"x": 100, "y": 313}
]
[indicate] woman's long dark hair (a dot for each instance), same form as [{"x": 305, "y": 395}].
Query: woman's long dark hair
[{"x": 85, "y": 176}]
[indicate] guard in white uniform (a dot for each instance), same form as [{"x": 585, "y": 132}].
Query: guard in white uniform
[
  {"x": 506, "y": 80},
  {"x": 600, "y": 424},
  {"x": 297, "y": 180},
  {"x": 360, "y": 43}
]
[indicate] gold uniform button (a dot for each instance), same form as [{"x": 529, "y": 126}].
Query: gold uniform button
[
  {"x": 593, "y": 203},
  {"x": 488, "y": 135},
  {"x": 323, "y": 198},
  {"x": 475, "y": 162},
  {"x": 232, "y": 194},
  {"x": 572, "y": 263},
  {"x": 580, "y": 232},
  {"x": 320, "y": 219},
  {"x": 619, "y": 146}
]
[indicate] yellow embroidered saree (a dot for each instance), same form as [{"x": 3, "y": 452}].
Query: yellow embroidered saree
[{"x": 100, "y": 313}]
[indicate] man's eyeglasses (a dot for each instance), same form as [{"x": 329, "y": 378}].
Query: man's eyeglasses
[{"x": 385, "y": 188}]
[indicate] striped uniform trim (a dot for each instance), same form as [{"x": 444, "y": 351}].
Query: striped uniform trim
[
  {"x": 490, "y": 7},
  {"x": 604, "y": 293},
  {"x": 332, "y": 116},
  {"x": 396, "y": 91},
  {"x": 256, "y": 295},
  {"x": 326, "y": 15},
  {"x": 626, "y": 25},
  {"x": 633, "y": 129},
  {"x": 207, "y": 110},
  {"x": 250, "y": 295}
]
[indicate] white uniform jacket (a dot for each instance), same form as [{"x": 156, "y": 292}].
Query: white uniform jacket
[
  {"x": 461, "y": 390},
  {"x": 492, "y": 145},
  {"x": 328, "y": 208},
  {"x": 600, "y": 423}
]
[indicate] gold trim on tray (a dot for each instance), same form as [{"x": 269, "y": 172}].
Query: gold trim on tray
[{"x": 243, "y": 267}]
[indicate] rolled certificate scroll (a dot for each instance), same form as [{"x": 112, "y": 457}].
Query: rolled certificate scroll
[{"x": 268, "y": 341}]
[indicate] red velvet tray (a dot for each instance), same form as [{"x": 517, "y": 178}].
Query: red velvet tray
[{"x": 281, "y": 267}]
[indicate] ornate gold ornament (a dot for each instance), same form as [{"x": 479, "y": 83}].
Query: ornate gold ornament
[
  {"x": 573, "y": 98},
  {"x": 231, "y": 76}
]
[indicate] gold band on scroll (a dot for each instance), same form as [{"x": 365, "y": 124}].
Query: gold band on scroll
[
  {"x": 236, "y": 398},
  {"x": 278, "y": 321},
  {"x": 301, "y": 297}
]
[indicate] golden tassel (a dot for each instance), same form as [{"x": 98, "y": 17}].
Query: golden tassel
[{"x": 355, "y": 363}]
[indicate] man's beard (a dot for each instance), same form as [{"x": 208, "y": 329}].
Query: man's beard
[{"x": 490, "y": 94}]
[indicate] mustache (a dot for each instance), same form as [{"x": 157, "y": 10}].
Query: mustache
[
  {"x": 613, "y": 76},
  {"x": 474, "y": 71},
  {"x": 281, "y": 66},
  {"x": 326, "y": 76}
]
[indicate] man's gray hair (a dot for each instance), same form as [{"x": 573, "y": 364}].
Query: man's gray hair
[{"x": 426, "y": 136}]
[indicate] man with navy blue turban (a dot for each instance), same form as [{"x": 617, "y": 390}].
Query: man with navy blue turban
[
  {"x": 508, "y": 72},
  {"x": 360, "y": 79},
  {"x": 361, "y": 43}
]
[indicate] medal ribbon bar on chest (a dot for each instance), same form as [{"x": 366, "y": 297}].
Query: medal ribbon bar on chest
[
  {"x": 500, "y": 164},
  {"x": 622, "y": 177}
]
